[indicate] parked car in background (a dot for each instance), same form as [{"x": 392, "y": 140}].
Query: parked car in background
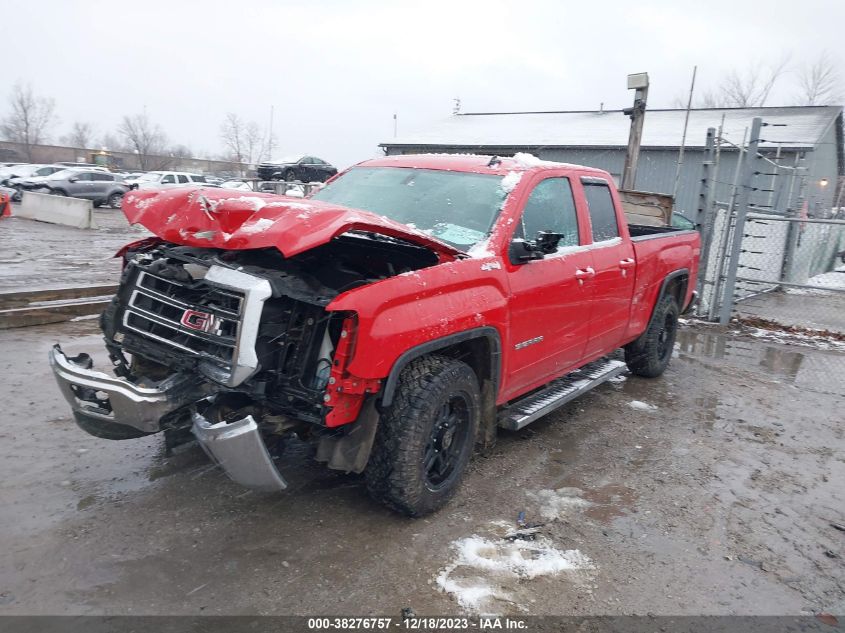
[
  {"x": 26, "y": 170},
  {"x": 73, "y": 165},
  {"x": 302, "y": 168},
  {"x": 214, "y": 180},
  {"x": 14, "y": 176},
  {"x": 91, "y": 184},
  {"x": 160, "y": 179},
  {"x": 240, "y": 185}
]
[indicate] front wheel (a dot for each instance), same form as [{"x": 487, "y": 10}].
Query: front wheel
[
  {"x": 115, "y": 200},
  {"x": 425, "y": 438},
  {"x": 650, "y": 354}
]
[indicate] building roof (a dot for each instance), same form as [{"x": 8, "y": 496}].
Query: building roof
[{"x": 795, "y": 127}]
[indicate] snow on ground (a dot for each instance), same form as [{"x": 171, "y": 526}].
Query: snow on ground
[
  {"x": 484, "y": 570},
  {"x": 819, "y": 341},
  {"x": 639, "y": 405},
  {"x": 556, "y": 504},
  {"x": 492, "y": 573},
  {"x": 834, "y": 279}
]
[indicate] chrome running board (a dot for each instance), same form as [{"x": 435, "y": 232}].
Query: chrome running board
[{"x": 557, "y": 393}]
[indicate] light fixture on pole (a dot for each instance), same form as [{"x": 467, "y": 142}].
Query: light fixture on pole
[{"x": 639, "y": 83}]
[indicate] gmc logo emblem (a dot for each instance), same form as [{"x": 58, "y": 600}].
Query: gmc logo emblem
[{"x": 200, "y": 321}]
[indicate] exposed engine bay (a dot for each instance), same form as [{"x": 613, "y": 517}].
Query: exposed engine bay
[{"x": 216, "y": 343}]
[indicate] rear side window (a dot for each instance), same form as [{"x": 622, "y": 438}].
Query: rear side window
[
  {"x": 550, "y": 207},
  {"x": 102, "y": 177},
  {"x": 196, "y": 178},
  {"x": 602, "y": 211}
]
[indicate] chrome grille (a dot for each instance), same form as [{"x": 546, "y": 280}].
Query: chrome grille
[{"x": 157, "y": 309}]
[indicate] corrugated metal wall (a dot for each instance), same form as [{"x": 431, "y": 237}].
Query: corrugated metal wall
[{"x": 656, "y": 171}]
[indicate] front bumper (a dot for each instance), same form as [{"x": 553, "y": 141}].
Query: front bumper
[
  {"x": 238, "y": 448},
  {"x": 98, "y": 397}
]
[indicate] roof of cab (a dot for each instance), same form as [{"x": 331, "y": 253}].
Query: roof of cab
[{"x": 475, "y": 163}]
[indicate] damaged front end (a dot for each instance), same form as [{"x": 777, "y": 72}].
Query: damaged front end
[{"x": 237, "y": 350}]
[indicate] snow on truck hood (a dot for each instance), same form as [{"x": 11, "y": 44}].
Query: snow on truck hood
[{"x": 219, "y": 218}]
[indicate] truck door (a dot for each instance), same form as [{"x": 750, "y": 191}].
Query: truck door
[
  {"x": 615, "y": 267},
  {"x": 550, "y": 297}
]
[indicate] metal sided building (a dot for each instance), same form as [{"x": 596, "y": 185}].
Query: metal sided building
[{"x": 807, "y": 135}]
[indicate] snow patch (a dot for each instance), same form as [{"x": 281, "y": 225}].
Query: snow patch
[
  {"x": 510, "y": 181},
  {"x": 555, "y": 504},
  {"x": 482, "y": 568},
  {"x": 639, "y": 405},
  {"x": 834, "y": 279},
  {"x": 259, "y": 226}
]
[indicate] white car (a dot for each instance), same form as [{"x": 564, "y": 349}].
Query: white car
[
  {"x": 240, "y": 185},
  {"x": 164, "y": 179}
]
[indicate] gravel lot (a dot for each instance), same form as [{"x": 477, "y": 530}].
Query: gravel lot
[
  {"x": 37, "y": 255},
  {"x": 711, "y": 490}
]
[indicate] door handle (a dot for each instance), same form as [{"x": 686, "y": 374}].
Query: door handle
[
  {"x": 628, "y": 262},
  {"x": 585, "y": 273}
]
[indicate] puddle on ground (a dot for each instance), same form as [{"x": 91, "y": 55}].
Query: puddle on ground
[{"x": 805, "y": 368}]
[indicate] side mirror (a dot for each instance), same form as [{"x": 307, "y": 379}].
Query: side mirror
[
  {"x": 73, "y": 179},
  {"x": 547, "y": 241}
]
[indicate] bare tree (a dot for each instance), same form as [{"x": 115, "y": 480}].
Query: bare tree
[
  {"x": 81, "y": 135},
  {"x": 752, "y": 87},
  {"x": 30, "y": 118},
  {"x": 245, "y": 142},
  {"x": 146, "y": 139},
  {"x": 819, "y": 82},
  {"x": 232, "y": 134}
]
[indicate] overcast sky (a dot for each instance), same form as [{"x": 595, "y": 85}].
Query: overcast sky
[{"x": 337, "y": 71}]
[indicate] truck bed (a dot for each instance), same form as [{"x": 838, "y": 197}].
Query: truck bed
[{"x": 660, "y": 250}]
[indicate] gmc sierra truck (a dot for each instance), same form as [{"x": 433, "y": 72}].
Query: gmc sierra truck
[{"x": 393, "y": 320}]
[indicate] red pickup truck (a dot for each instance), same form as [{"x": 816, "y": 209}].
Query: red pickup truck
[{"x": 393, "y": 320}]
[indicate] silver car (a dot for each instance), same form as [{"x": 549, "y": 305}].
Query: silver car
[{"x": 98, "y": 186}]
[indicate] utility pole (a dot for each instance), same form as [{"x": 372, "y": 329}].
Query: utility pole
[
  {"x": 684, "y": 135},
  {"x": 639, "y": 83}
]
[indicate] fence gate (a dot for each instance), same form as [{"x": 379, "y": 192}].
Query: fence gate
[{"x": 767, "y": 253}]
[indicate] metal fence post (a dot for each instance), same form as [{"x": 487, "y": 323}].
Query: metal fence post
[
  {"x": 793, "y": 230},
  {"x": 743, "y": 200},
  {"x": 706, "y": 214}
]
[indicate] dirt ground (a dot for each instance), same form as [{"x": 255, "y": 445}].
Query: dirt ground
[
  {"x": 711, "y": 490},
  {"x": 36, "y": 255}
]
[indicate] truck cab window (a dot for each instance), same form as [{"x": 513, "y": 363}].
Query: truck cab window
[
  {"x": 169, "y": 179},
  {"x": 602, "y": 211},
  {"x": 550, "y": 207}
]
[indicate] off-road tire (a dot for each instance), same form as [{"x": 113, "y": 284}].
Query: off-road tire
[
  {"x": 395, "y": 473},
  {"x": 650, "y": 354},
  {"x": 110, "y": 430}
]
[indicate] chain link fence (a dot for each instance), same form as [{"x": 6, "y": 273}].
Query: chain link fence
[{"x": 764, "y": 257}]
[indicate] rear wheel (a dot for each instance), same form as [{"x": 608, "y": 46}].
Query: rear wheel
[
  {"x": 650, "y": 354},
  {"x": 425, "y": 438}
]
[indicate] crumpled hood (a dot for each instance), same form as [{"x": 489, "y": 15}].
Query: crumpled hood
[{"x": 228, "y": 219}]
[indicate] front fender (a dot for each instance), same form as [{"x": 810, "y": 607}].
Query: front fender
[{"x": 404, "y": 312}]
